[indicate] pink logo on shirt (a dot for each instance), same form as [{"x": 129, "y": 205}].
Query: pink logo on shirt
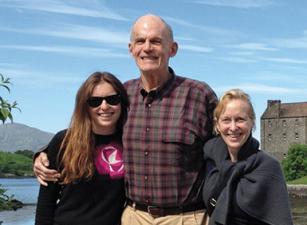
[{"x": 109, "y": 160}]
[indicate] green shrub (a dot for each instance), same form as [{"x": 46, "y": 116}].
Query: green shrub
[
  {"x": 27, "y": 153},
  {"x": 295, "y": 164}
]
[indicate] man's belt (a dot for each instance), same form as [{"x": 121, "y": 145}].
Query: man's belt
[{"x": 156, "y": 211}]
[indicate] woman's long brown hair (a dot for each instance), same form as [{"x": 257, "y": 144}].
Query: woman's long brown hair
[{"x": 77, "y": 148}]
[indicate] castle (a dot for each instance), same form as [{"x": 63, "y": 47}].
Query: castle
[{"x": 283, "y": 124}]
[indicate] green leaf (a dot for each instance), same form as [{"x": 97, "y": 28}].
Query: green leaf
[
  {"x": 4, "y": 112},
  {"x": 4, "y": 82},
  {"x": 5, "y": 106}
]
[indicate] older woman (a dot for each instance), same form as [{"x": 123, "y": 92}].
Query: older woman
[{"x": 244, "y": 185}]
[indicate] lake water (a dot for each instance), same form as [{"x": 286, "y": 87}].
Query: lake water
[{"x": 26, "y": 190}]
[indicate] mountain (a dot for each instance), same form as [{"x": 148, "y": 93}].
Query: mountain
[{"x": 16, "y": 136}]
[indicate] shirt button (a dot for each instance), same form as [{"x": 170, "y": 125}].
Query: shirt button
[
  {"x": 146, "y": 178},
  {"x": 149, "y": 105},
  {"x": 146, "y": 153},
  {"x": 147, "y": 129}
]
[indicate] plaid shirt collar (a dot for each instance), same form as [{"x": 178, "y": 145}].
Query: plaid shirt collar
[{"x": 161, "y": 91}]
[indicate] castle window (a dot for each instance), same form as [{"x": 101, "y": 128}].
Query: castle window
[
  {"x": 284, "y": 123},
  {"x": 297, "y": 122},
  {"x": 296, "y": 135},
  {"x": 284, "y": 136},
  {"x": 270, "y": 123},
  {"x": 269, "y": 137}
]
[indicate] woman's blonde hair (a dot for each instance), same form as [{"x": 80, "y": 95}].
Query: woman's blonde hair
[
  {"x": 233, "y": 94},
  {"x": 77, "y": 148}
]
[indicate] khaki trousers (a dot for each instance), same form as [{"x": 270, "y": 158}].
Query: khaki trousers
[{"x": 132, "y": 216}]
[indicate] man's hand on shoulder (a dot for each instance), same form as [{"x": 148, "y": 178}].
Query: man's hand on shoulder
[{"x": 41, "y": 171}]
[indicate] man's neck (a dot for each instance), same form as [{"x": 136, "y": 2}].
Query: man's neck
[{"x": 152, "y": 81}]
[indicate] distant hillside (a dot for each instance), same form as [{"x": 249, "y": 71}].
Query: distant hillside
[{"x": 16, "y": 136}]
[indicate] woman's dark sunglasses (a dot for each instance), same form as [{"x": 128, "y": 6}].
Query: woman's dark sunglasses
[{"x": 96, "y": 101}]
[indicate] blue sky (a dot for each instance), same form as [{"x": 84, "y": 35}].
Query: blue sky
[{"x": 49, "y": 47}]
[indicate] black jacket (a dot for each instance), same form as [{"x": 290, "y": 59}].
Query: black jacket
[{"x": 254, "y": 186}]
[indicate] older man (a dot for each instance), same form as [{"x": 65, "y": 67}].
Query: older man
[{"x": 169, "y": 121}]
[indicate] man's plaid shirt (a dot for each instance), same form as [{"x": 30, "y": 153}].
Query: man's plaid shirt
[{"x": 163, "y": 139}]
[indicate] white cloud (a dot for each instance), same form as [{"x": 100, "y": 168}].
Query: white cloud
[
  {"x": 181, "y": 38},
  {"x": 253, "y": 46},
  {"x": 195, "y": 48},
  {"x": 244, "y": 4},
  {"x": 252, "y": 59},
  {"x": 284, "y": 60},
  {"x": 274, "y": 76},
  {"x": 239, "y": 60},
  {"x": 25, "y": 76},
  {"x": 77, "y": 32},
  {"x": 88, "y": 8},
  {"x": 262, "y": 89},
  {"x": 300, "y": 42},
  {"x": 208, "y": 29},
  {"x": 243, "y": 53},
  {"x": 73, "y": 51}
]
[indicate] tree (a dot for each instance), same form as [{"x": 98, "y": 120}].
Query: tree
[
  {"x": 295, "y": 164},
  {"x": 26, "y": 152},
  {"x": 7, "y": 202},
  {"x": 5, "y": 106}
]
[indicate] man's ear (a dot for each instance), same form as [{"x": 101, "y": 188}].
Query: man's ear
[
  {"x": 130, "y": 48},
  {"x": 173, "y": 49}
]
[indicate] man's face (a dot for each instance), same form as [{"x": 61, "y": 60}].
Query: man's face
[{"x": 151, "y": 45}]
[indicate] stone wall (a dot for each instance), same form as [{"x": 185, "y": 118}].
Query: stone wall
[
  {"x": 277, "y": 134},
  {"x": 297, "y": 191}
]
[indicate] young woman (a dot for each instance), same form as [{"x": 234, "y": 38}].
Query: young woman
[
  {"x": 244, "y": 185},
  {"x": 89, "y": 157}
]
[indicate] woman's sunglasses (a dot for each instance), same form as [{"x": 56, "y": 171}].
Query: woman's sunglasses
[{"x": 111, "y": 100}]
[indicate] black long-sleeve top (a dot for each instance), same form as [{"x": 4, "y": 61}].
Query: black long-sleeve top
[{"x": 96, "y": 201}]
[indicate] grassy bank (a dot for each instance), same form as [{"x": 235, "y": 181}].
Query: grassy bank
[
  {"x": 302, "y": 180},
  {"x": 15, "y": 165}
]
